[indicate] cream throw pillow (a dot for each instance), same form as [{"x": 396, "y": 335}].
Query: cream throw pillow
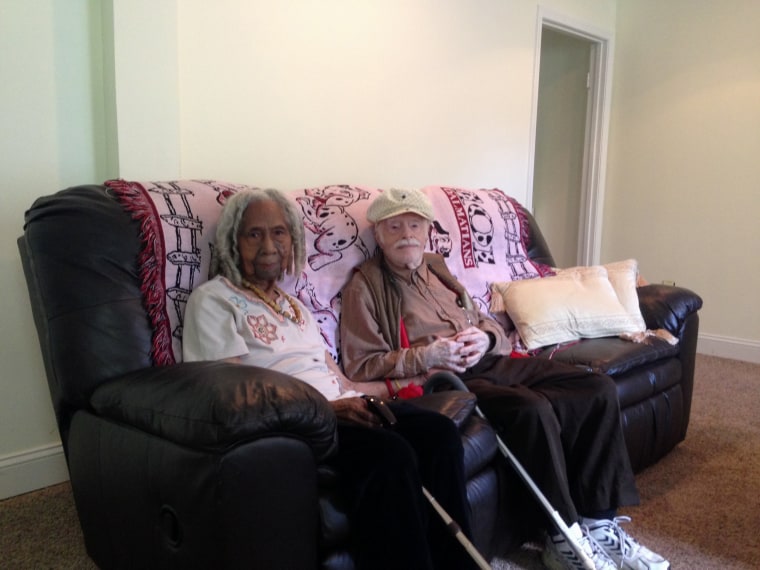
[
  {"x": 623, "y": 276},
  {"x": 579, "y": 302}
]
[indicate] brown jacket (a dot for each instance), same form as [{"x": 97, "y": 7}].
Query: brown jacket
[{"x": 370, "y": 322}]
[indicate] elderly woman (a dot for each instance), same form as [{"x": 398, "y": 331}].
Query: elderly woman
[{"x": 241, "y": 315}]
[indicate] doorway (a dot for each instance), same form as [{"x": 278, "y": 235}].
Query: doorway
[{"x": 570, "y": 122}]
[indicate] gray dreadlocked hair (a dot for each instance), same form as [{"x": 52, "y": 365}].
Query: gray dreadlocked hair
[{"x": 226, "y": 258}]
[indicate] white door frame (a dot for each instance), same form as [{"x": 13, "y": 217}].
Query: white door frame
[{"x": 597, "y": 127}]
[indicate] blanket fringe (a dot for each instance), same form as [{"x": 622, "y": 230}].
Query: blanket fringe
[
  {"x": 644, "y": 336},
  {"x": 133, "y": 197},
  {"x": 543, "y": 269}
]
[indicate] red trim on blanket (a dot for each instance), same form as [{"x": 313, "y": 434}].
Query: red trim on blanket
[{"x": 134, "y": 198}]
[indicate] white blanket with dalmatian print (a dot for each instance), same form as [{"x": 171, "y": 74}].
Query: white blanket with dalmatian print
[{"x": 480, "y": 232}]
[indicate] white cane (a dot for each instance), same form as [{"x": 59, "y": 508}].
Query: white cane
[
  {"x": 457, "y": 532},
  {"x": 443, "y": 378},
  {"x": 389, "y": 420}
]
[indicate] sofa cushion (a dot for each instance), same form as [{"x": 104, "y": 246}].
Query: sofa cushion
[
  {"x": 640, "y": 385},
  {"x": 612, "y": 356},
  {"x": 579, "y": 303}
]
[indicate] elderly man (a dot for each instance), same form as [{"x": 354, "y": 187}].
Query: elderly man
[
  {"x": 242, "y": 316},
  {"x": 409, "y": 317}
]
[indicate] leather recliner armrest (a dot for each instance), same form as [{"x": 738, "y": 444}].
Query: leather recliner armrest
[
  {"x": 218, "y": 405},
  {"x": 454, "y": 404},
  {"x": 667, "y": 307}
]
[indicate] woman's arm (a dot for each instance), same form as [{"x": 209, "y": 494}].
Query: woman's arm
[{"x": 378, "y": 389}]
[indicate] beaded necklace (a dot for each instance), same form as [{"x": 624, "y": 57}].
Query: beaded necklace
[{"x": 294, "y": 316}]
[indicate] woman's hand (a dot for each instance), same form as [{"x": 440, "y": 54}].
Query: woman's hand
[{"x": 355, "y": 411}]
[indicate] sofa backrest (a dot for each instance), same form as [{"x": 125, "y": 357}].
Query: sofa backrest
[
  {"x": 110, "y": 267},
  {"x": 482, "y": 233},
  {"x": 79, "y": 252}
]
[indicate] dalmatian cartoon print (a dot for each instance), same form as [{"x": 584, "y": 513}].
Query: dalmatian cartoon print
[
  {"x": 178, "y": 220},
  {"x": 326, "y": 216},
  {"x": 326, "y": 316},
  {"x": 439, "y": 240},
  {"x": 485, "y": 221}
]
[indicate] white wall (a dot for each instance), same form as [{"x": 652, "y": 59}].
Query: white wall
[
  {"x": 52, "y": 135},
  {"x": 402, "y": 93},
  {"x": 683, "y": 179},
  {"x": 145, "y": 88}
]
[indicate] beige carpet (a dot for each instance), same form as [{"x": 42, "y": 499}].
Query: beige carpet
[{"x": 700, "y": 504}]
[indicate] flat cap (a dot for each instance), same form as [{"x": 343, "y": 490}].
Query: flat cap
[{"x": 396, "y": 201}]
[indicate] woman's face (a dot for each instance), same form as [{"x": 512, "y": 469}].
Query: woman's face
[
  {"x": 264, "y": 243},
  {"x": 402, "y": 239}
]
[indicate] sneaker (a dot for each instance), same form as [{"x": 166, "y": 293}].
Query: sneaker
[
  {"x": 559, "y": 555},
  {"x": 624, "y": 550}
]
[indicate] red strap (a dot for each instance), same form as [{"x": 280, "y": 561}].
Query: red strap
[
  {"x": 403, "y": 334},
  {"x": 516, "y": 354},
  {"x": 412, "y": 390}
]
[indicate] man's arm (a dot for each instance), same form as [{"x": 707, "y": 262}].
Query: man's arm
[{"x": 497, "y": 337}]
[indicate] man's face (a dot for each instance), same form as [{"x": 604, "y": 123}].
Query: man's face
[
  {"x": 402, "y": 239},
  {"x": 264, "y": 243}
]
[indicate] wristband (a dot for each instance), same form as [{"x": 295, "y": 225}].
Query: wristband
[{"x": 391, "y": 392}]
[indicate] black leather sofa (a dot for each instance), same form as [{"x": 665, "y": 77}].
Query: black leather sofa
[
  {"x": 193, "y": 465},
  {"x": 655, "y": 380},
  {"x": 199, "y": 465}
]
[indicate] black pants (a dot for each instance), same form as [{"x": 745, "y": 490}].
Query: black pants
[
  {"x": 382, "y": 474},
  {"x": 563, "y": 424}
]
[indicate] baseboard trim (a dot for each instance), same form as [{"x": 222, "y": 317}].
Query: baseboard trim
[
  {"x": 32, "y": 469},
  {"x": 728, "y": 347}
]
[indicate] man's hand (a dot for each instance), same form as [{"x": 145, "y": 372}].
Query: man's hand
[
  {"x": 476, "y": 343},
  {"x": 458, "y": 353},
  {"x": 445, "y": 353},
  {"x": 355, "y": 411}
]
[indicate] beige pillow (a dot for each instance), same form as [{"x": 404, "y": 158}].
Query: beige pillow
[
  {"x": 575, "y": 303},
  {"x": 623, "y": 276}
]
